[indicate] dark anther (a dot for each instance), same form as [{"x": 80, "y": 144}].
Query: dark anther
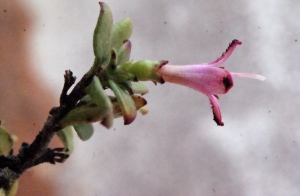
[
  {"x": 227, "y": 83},
  {"x": 233, "y": 42}
]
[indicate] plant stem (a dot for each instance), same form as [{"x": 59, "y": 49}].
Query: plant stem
[{"x": 31, "y": 155}]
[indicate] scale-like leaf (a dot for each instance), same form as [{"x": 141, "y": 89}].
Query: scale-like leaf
[
  {"x": 139, "y": 88},
  {"x": 89, "y": 112},
  {"x": 125, "y": 102},
  {"x": 66, "y": 137},
  {"x": 124, "y": 52},
  {"x": 99, "y": 97},
  {"x": 84, "y": 131}
]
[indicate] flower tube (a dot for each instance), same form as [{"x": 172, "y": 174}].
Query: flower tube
[{"x": 208, "y": 78}]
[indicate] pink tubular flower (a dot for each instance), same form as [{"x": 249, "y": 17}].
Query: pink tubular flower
[{"x": 208, "y": 78}]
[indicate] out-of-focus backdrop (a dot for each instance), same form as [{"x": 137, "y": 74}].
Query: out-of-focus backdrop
[{"x": 177, "y": 149}]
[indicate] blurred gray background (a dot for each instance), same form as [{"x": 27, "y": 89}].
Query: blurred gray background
[{"x": 177, "y": 149}]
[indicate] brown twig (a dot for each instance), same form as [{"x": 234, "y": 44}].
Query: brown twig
[{"x": 37, "y": 152}]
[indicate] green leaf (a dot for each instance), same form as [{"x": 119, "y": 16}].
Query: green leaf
[
  {"x": 88, "y": 112},
  {"x": 84, "y": 131},
  {"x": 139, "y": 102},
  {"x": 66, "y": 136},
  {"x": 6, "y": 142},
  {"x": 13, "y": 189},
  {"x": 121, "y": 74},
  {"x": 102, "y": 35},
  {"x": 124, "y": 52},
  {"x": 139, "y": 88},
  {"x": 126, "y": 86},
  {"x": 125, "y": 66},
  {"x": 99, "y": 97},
  {"x": 86, "y": 99},
  {"x": 125, "y": 102},
  {"x": 82, "y": 114},
  {"x": 121, "y": 31}
]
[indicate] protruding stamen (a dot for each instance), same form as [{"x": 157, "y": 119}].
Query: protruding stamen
[{"x": 248, "y": 75}]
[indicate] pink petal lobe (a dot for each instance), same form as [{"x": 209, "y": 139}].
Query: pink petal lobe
[
  {"x": 216, "y": 110},
  {"x": 225, "y": 54}
]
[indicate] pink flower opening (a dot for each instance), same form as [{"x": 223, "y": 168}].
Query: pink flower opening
[{"x": 208, "y": 78}]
